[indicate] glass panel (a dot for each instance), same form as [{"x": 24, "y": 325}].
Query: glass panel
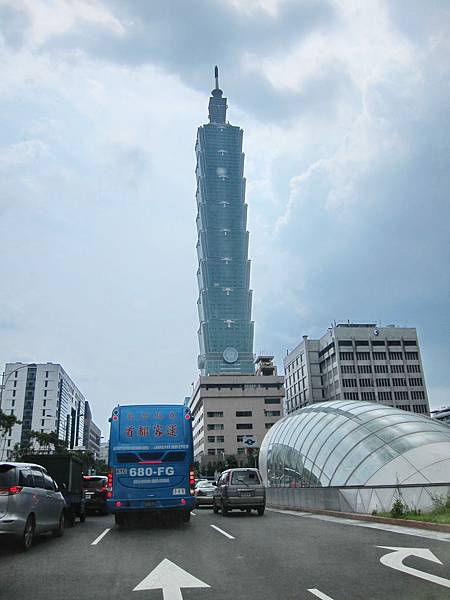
[{"x": 372, "y": 464}]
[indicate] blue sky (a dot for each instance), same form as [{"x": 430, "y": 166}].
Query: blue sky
[{"x": 346, "y": 112}]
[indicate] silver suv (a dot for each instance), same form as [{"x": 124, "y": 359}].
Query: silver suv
[
  {"x": 30, "y": 502},
  {"x": 239, "y": 489}
]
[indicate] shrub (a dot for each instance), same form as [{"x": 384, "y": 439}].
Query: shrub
[{"x": 399, "y": 508}]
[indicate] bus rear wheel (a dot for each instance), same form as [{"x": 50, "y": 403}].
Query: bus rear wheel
[{"x": 186, "y": 516}]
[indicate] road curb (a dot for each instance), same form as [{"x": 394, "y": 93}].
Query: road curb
[{"x": 370, "y": 518}]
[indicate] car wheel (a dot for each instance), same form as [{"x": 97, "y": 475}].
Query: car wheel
[
  {"x": 224, "y": 510},
  {"x": 248, "y": 510},
  {"x": 260, "y": 510},
  {"x": 59, "y": 532},
  {"x": 215, "y": 508},
  {"x": 69, "y": 518},
  {"x": 83, "y": 517},
  {"x": 27, "y": 537}
]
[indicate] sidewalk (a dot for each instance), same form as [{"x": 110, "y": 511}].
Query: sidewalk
[{"x": 373, "y": 518}]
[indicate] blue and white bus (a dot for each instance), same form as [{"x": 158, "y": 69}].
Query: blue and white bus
[{"x": 150, "y": 460}]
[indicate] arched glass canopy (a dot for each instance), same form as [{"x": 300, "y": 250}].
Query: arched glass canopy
[{"x": 345, "y": 443}]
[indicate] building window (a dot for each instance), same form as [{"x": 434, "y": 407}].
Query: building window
[
  {"x": 271, "y": 401},
  {"x": 244, "y": 426},
  {"x": 211, "y": 439},
  {"x": 244, "y": 413},
  {"x": 345, "y": 343},
  {"x": 394, "y": 343},
  {"x": 42, "y": 422},
  {"x": 45, "y": 392},
  {"x": 383, "y": 382},
  {"x": 211, "y": 451},
  {"x": 220, "y": 438},
  {"x": 381, "y": 368},
  {"x": 404, "y": 407},
  {"x": 349, "y": 383},
  {"x": 46, "y": 374},
  {"x": 217, "y": 413},
  {"x": 398, "y": 381},
  {"x": 241, "y": 450},
  {"x": 368, "y": 396},
  {"x": 401, "y": 395},
  {"x": 418, "y": 395},
  {"x": 366, "y": 382},
  {"x": 409, "y": 342},
  {"x": 346, "y": 356},
  {"x": 272, "y": 413},
  {"x": 363, "y": 355},
  {"x": 377, "y": 343},
  {"x": 413, "y": 368},
  {"x": 362, "y": 343},
  {"x": 364, "y": 368},
  {"x": 350, "y": 395},
  {"x": 412, "y": 355},
  {"x": 268, "y": 425},
  {"x": 14, "y": 393},
  {"x": 215, "y": 427},
  {"x": 348, "y": 368},
  {"x": 239, "y": 438},
  {"x": 45, "y": 383},
  {"x": 395, "y": 355},
  {"x": 397, "y": 368},
  {"x": 415, "y": 381},
  {"x": 419, "y": 408},
  {"x": 379, "y": 355},
  {"x": 385, "y": 396}
]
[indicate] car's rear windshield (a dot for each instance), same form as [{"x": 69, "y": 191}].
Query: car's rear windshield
[
  {"x": 7, "y": 475},
  {"x": 94, "y": 483},
  {"x": 246, "y": 478}
]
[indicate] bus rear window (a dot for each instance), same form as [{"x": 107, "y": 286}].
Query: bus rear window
[
  {"x": 127, "y": 457},
  {"x": 174, "y": 457},
  {"x": 151, "y": 455}
]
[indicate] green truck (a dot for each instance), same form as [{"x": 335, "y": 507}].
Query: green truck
[{"x": 67, "y": 471}]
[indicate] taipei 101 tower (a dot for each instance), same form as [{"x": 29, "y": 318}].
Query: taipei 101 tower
[{"x": 225, "y": 300}]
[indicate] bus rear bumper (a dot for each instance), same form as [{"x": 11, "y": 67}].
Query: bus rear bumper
[{"x": 126, "y": 505}]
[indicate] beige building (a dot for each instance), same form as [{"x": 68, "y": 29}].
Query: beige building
[
  {"x": 232, "y": 413},
  {"x": 358, "y": 361}
]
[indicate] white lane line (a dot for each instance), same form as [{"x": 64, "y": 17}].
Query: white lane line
[
  {"x": 320, "y": 594},
  {"x": 230, "y": 537},
  {"x": 423, "y": 533},
  {"x": 100, "y": 537}
]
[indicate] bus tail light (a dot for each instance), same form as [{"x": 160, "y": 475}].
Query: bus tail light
[
  {"x": 109, "y": 486},
  {"x": 191, "y": 479}
]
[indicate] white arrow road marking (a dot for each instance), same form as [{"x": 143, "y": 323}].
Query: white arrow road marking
[
  {"x": 230, "y": 537},
  {"x": 170, "y": 578},
  {"x": 100, "y": 537},
  {"x": 193, "y": 514},
  {"x": 395, "y": 560},
  {"x": 320, "y": 594}
]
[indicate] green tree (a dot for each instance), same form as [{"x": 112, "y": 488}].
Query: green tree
[{"x": 7, "y": 422}]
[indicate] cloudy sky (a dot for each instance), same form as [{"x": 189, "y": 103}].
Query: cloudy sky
[{"x": 346, "y": 112}]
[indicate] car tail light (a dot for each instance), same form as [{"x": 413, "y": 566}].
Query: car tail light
[
  {"x": 191, "y": 479},
  {"x": 11, "y": 490}
]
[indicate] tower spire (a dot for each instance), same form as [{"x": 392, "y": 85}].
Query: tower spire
[
  {"x": 217, "y": 104},
  {"x": 216, "y": 75}
]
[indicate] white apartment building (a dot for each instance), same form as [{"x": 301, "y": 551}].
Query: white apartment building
[
  {"x": 358, "y": 362},
  {"x": 46, "y": 400},
  {"x": 230, "y": 410}
]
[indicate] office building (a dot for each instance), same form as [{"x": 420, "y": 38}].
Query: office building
[
  {"x": 91, "y": 434},
  {"x": 442, "y": 414},
  {"x": 232, "y": 413},
  {"x": 225, "y": 300},
  {"x": 46, "y": 400},
  {"x": 355, "y": 361}
]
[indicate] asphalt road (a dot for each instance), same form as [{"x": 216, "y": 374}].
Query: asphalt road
[{"x": 275, "y": 557}]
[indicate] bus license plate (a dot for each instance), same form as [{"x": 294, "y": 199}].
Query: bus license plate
[
  {"x": 179, "y": 491},
  {"x": 149, "y": 503}
]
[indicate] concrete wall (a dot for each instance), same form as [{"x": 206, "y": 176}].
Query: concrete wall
[{"x": 358, "y": 500}]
